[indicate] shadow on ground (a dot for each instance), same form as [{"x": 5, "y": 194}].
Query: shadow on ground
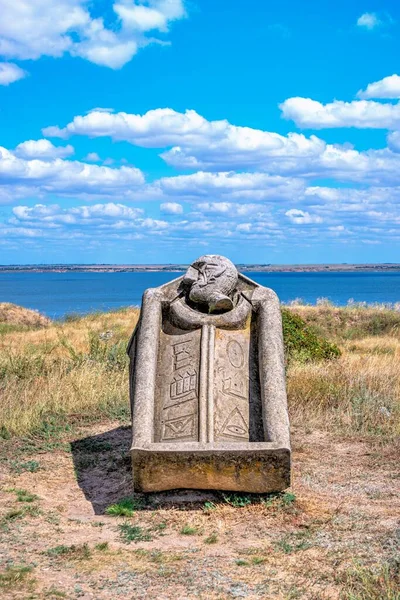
[{"x": 103, "y": 467}]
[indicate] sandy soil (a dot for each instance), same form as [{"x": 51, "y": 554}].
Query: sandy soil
[{"x": 346, "y": 509}]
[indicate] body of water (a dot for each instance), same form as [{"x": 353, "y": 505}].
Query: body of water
[{"x": 58, "y": 294}]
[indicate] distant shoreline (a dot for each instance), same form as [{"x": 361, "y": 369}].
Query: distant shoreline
[{"x": 263, "y": 268}]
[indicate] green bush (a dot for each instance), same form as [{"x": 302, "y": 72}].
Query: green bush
[{"x": 302, "y": 343}]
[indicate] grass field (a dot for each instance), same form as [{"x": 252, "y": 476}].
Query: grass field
[{"x": 71, "y": 526}]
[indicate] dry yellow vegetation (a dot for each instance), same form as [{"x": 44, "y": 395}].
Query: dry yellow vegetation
[
  {"x": 16, "y": 317},
  {"x": 64, "y": 459},
  {"x": 77, "y": 370}
]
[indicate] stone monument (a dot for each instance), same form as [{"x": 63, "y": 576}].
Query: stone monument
[{"x": 207, "y": 384}]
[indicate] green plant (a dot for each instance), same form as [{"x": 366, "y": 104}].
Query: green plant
[
  {"x": 20, "y": 513},
  {"x": 125, "y": 507},
  {"x": 32, "y": 466},
  {"x": 279, "y": 500},
  {"x": 211, "y": 539},
  {"x": 242, "y": 563},
  {"x": 102, "y": 546},
  {"x": 302, "y": 343},
  {"x": 113, "y": 355},
  {"x": 288, "y": 498},
  {"x": 378, "y": 583},
  {"x": 4, "y": 433},
  {"x": 14, "y": 576},
  {"x": 294, "y": 542},
  {"x": 237, "y": 500},
  {"x": 78, "y": 551},
  {"x": 257, "y": 560},
  {"x": 188, "y": 530},
  {"x": 53, "y": 592},
  {"x": 133, "y": 533},
  {"x": 24, "y": 496}
]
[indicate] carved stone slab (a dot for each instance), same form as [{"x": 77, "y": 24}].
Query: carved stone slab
[{"x": 207, "y": 384}]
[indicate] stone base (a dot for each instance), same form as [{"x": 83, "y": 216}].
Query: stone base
[{"x": 249, "y": 467}]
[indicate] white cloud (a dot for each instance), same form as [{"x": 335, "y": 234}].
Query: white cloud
[
  {"x": 369, "y": 21},
  {"x": 197, "y": 143},
  {"x": 81, "y": 215},
  {"x": 42, "y": 149},
  {"x": 9, "y": 73},
  {"x": 208, "y": 146},
  {"x": 393, "y": 140},
  {"x": 92, "y": 157},
  {"x": 388, "y": 87},
  {"x": 40, "y": 176},
  {"x": 145, "y": 18},
  {"x": 301, "y": 217},
  {"x": 341, "y": 215},
  {"x": 171, "y": 208},
  {"x": 29, "y": 30},
  {"x": 359, "y": 113},
  {"x": 230, "y": 209},
  {"x": 229, "y": 185}
]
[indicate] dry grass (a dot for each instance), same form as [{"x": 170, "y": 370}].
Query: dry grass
[
  {"x": 332, "y": 537},
  {"x": 353, "y": 321},
  {"x": 358, "y": 394},
  {"x": 15, "y": 317},
  {"x": 77, "y": 371}
]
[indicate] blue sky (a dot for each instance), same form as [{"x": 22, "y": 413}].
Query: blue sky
[{"x": 155, "y": 131}]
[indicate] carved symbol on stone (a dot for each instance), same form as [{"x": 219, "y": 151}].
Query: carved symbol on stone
[
  {"x": 183, "y": 385},
  {"x": 180, "y": 427},
  {"x": 234, "y": 385},
  {"x": 182, "y": 355},
  {"x": 235, "y": 354},
  {"x": 235, "y": 425}
]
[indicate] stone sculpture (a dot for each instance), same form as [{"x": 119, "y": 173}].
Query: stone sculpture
[{"x": 207, "y": 384}]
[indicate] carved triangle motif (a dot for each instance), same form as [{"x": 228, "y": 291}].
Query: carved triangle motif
[{"x": 235, "y": 425}]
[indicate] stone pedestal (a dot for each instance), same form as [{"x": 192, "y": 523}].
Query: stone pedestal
[{"x": 207, "y": 385}]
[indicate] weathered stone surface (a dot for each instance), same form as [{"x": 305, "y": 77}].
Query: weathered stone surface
[{"x": 208, "y": 384}]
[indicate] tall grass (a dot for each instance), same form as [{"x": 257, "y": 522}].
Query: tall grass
[
  {"x": 354, "y": 321},
  {"x": 78, "y": 370},
  {"x": 357, "y": 394}
]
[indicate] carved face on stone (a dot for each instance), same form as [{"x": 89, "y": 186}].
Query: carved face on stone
[{"x": 212, "y": 280}]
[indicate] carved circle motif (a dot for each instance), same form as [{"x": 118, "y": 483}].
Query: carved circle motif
[{"x": 235, "y": 354}]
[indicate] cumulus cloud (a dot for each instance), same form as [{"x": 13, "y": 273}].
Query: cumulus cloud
[
  {"x": 9, "y": 73},
  {"x": 302, "y": 217},
  {"x": 309, "y": 113},
  {"x": 92, "y": 157},
  {"x": 217, "y": 149},
  {"x": 29, "y": 30},
  {"x": 42, "y": 149},
  {"x": 196, "y": 142},
  {"x": 64, "y": 176},
  {"x": 393, "y": 140},
  {"x": 388, "y": 87},
  {"x": 171, "y": 208},
  {"x": 369, "y": 21},
  {"x": 341, "y": 214},
  {"x": 230, "y": 209},
  {"x": 96, "y": 214},
  {"x": 231, "y": 185}
]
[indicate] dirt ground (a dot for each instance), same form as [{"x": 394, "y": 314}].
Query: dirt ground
[{"x": 56, "y": 540}]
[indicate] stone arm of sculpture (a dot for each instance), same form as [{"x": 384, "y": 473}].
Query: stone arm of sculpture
[
  {"x": 272, "y": 366},
  {"x": 145, "y": 354}
]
